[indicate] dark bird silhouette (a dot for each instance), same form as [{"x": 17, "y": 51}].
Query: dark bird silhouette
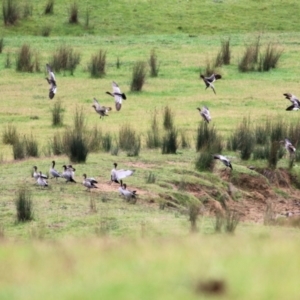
[
  {"x": 205, "y": 114},
  {"x": 51, "y": 80},
  {"x": 118, "y": 95},
  {"x": 210, "y": 80}
]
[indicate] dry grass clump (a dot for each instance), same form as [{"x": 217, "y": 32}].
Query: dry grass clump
[
  {"x": 65, "y": 59},
  {"x": 138, "y": 76},
  {"x": 73, "y": 13},
  {"x": 97, "y": 64},
  {"x": 154, "y": 67},
  {"x": 48, "y": 10},
  {"x": 10, "y": 11},
  {"x": 153, "y": 138},
  {"x": 24, "y": 205},
  {"x": 129, "y": 140},
  {"x": 57, "y": 114},
  {"x": 1, "y": 45},
  {"x": 10, "y": 134},
  {"x": 27, "y": 60}
]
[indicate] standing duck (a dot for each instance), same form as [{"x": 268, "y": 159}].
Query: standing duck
[
  {"x": 89, "y": 183},
  {"x": 101, "y": 110},
  {"x": 117, "y": 175},
  {"x": 53, "y": 172},
  {"x": 68, "y": 174},
  {"x": 210, "y": 80},
  {"x": 51, "y": 80},
  {"x": 118, "y": 95},
  {"x": 205, "y": 114},
  {"x": 224, "y": 160},
  {"x": 127, "y": 193},
  {"x": 41, "y": 181},
  {"x": 36, "y": 174}
]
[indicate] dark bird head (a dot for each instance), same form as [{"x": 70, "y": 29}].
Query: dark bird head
[
  {"x": 84, "y": 176},
  {"x": 115, "y": 165}
]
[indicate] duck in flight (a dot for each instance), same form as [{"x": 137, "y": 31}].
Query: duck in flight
[
  {"x": 295, "y": 101},
  {"x": 205, "y": 114},
  {"x": 224, "y": 160},
  {"x": 118, "y": 95},
  {"x": 51, "y": 80},
  {"x": 210, "y": 80},
  {"x": 101, "y": 110}
]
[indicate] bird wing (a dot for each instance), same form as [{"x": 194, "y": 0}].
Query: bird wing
[
  {"x": 50, "y": 72},
  {"x": 97, "y": 104},
  {"x": 120, "y": 174},
  {"x": 211, "y": 78}
]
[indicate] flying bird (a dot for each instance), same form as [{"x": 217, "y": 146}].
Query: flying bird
[
  {"x": 295, "y": 101},
  {"x": 118, "y": 95},
  {"x": 204, "y": 113},
  {"x": 101, "y": 110},
  {"x": 117, "y": 175},
  {"x": 289, "y": 146},
  {"x": 210, "y": 80},
  {"x": 224, "y": 160},
  {"x": 51, "y": 80},
  {"x": 89, "y": 183}
]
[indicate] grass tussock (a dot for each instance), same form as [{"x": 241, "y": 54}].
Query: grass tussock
[
  {"x": 243, "y": 139},
  {"x": 207, "y": 138},
  {"x": 150, "y": 178},
  {"x": 129, "y": 140},
  {"x": 269, "y": 59},
  {"x": 26, "y": 60},
  {"x": 194, "y": 210},
  {"x": 49, "y": 7},
  {"x": 1, "y": 45},
  {"x": 76, "y": 146},
  {"x": 73, "y": 13},
  {"x": 138, "y": 76},
  {"x": 24, "y": 205},
  {"x": 205, "y": 161},
  {"x": 10, "y": 134},
  {"x": 107, "y": 142},
  {"x": 153, "y": 63},
  {"x": 95, "y": 139},
  {"x": 226, "y": 52},
  {"x": 46, "y": 31},
  {"x": 10, "y": 12},
  {"x": 250, "y": 57},
  {"x": 185, "y": 141},
  {"x": 19, "y": 150},
  {"x": 57, "y": 114},
  {"x": 273, "y": 155},
  {"x": 27, "y": 10},
  {"x": 64, "y": 59},
  {"x": 153, "y": 138},
  {"x": 168, "y": 118},
  {"x": 170, "y": 142},
  {"x": 31, "y": 146},
  {"x": 8, "y": 62},
  {"x": 97, "y": 64},
  {"x": 57, "y": 144}
]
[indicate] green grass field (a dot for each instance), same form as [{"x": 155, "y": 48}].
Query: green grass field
[{"x": 118, "y": 250}]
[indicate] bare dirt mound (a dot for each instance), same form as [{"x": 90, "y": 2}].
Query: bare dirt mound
[{"x": 249, "y": 194}]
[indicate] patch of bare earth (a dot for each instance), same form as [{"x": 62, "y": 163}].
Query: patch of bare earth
[{"x": 249, "y": 194}]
